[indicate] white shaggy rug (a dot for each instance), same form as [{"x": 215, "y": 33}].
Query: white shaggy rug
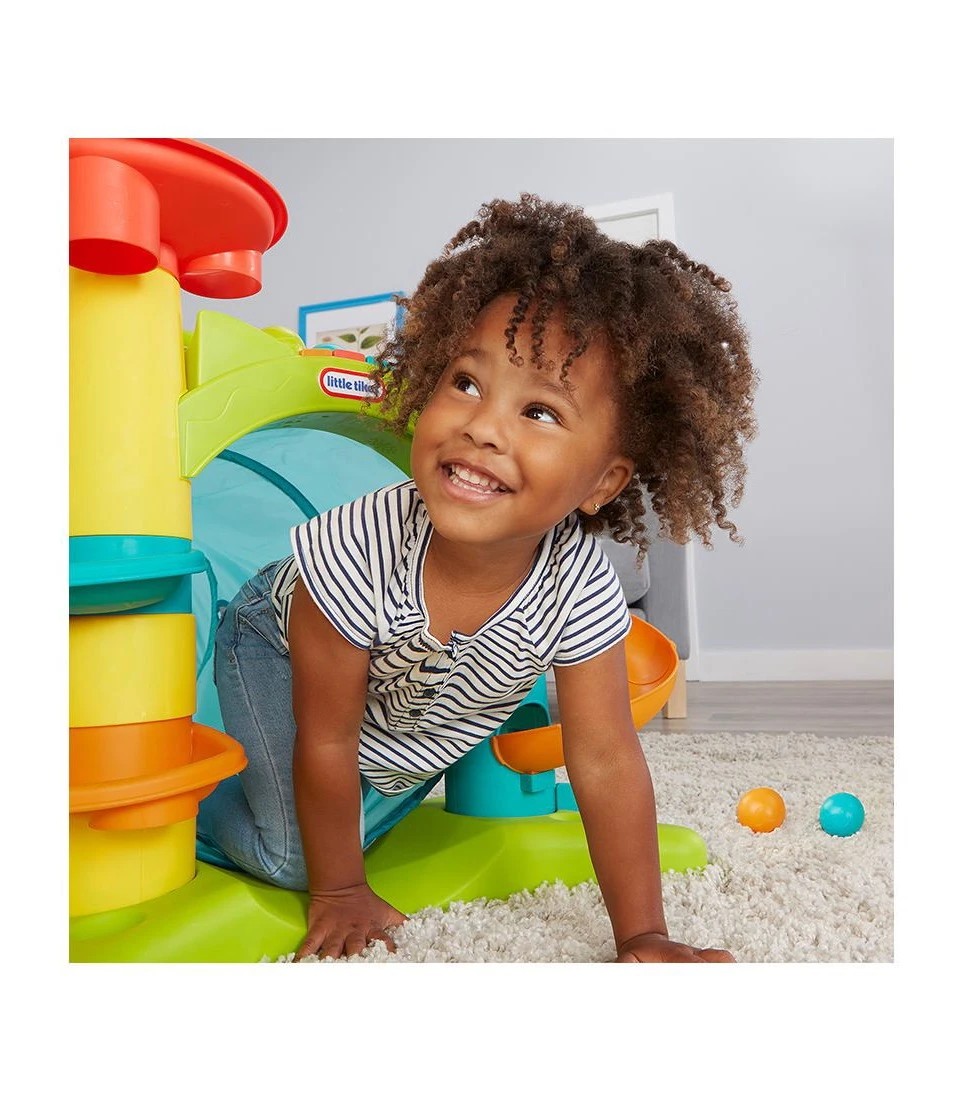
[{"x": 793, "y": 895}]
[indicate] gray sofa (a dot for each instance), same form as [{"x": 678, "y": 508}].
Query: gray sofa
[{"x": 658, "y": 589}]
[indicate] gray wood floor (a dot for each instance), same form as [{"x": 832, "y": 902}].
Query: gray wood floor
[{"x": 837, "y": 708}]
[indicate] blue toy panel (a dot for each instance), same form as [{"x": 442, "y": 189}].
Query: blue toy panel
[{"x": 243, "y": 514}]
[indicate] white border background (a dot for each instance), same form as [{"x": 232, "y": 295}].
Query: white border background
[{"x": 733, "y": 70}]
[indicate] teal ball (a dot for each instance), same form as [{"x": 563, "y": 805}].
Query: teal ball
[{"x": 841, "y": 814}]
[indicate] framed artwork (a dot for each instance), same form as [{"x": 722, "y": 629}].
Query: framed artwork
[{"x": 353, "y": 324}]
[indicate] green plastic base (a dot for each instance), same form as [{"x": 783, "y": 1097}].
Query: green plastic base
[
  {"x": 219, "y": 916},
  {"x": 430, "y": 858}
]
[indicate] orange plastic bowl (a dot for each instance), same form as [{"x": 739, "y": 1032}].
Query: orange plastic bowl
[{"x": 652, "y": 665}]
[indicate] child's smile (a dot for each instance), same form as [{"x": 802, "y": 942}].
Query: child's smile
[
  {"x": 469, "y": 482},
  {"x": 502, "y": 453}
]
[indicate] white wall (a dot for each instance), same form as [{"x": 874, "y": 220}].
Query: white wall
[{"x": 803, "y": 228}]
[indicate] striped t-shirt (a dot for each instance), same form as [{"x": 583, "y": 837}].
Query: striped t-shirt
[{"x": 428, "y": 703}]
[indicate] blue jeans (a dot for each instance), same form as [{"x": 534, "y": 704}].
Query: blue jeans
[{"x": 249, "y": 821}]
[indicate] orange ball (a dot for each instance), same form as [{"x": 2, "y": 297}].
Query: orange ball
[{"x": 761, "y": 809}]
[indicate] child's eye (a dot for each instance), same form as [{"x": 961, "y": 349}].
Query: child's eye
[
  {"x": 542, "y": 414},
  {"x": 463, "y": 383}
]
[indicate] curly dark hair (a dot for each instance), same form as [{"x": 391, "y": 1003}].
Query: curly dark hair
[{"x": 679, "y": 353}]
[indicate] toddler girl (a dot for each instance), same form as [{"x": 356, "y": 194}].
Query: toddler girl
[{"x": 554, "y": 376}]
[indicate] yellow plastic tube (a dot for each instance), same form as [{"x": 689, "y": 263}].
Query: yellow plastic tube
[
  {"x": 131, "y": 668},
  {"x": 126, "y": 377},
  {"x": 109, "y": 870}
]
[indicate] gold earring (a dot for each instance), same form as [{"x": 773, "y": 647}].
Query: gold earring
[{"x": 597, "y": 506}]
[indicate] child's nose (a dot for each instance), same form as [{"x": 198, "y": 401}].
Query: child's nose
[{"x": 486, "y": 427}]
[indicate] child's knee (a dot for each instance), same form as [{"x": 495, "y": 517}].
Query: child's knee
[{"x": 281, "y": 865}]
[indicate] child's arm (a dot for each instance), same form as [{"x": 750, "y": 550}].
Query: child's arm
[
  {"x": 612, "y": 785},
  {"x": 329, "y": 690}
]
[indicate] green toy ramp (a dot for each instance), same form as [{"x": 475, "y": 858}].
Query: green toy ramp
[{"x": 430, "y": 858}]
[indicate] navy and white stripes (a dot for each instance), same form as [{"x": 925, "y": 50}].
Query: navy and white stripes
[{"x": 428, "y": 703}]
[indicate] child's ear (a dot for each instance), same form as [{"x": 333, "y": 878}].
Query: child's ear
[{"x": 611, "y": 483}]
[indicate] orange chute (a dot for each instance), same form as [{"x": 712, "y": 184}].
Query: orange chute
[{"x": 652, "y": 664}]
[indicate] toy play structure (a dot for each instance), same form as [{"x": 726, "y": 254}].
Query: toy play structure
[{"x": 225, "y": 431}]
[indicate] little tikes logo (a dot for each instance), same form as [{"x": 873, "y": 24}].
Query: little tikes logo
[{"x": 337, "y": 382}]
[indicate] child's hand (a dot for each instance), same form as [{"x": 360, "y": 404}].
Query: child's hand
[
  {"x": 344, "y": 922},
  {"x": 655, "y": 948}
]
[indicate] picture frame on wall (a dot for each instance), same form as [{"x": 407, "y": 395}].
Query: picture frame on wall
[{"x": 351, "y": 324}]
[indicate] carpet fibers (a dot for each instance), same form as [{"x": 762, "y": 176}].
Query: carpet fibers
[{"x": 793, "y": 895}]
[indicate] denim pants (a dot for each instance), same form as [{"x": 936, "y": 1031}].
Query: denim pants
[{"x": 249, "y": 821}]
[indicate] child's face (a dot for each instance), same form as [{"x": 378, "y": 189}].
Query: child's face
[{"x": 502, "y": 453}]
